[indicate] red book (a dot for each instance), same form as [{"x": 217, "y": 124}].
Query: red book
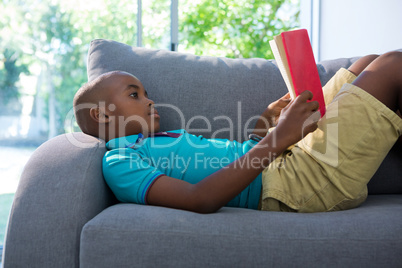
[{"x": 294, "y": 56}]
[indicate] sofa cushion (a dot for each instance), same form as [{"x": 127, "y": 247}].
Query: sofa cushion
[{"x": 154, "y": 236}]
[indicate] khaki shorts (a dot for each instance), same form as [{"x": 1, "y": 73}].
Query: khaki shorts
[{"x": 329, "y": 169}]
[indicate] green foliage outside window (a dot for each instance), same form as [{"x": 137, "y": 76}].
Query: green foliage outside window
[
  {"x": 236, "y": 29},
  {"x": 49, "y": 39},
  {"x": 9, "y": 76}
]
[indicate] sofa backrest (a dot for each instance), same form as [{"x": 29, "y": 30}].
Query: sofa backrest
[{"x": 209, "y": 96}]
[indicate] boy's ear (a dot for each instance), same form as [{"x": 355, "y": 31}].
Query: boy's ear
[{"x": 99, "y": 115}]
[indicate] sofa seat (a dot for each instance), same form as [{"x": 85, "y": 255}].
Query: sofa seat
[{"x": 236, "y": 237}]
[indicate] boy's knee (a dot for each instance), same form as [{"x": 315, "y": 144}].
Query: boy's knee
[
  {"x": 392, "y": 57},
  {"x": 371, "y": 57},
  {"x": 358, "y": 67},
  {"x": 392, "y": 63}
]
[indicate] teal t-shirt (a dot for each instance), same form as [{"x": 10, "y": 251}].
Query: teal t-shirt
[{"x": 133, "y": 163}]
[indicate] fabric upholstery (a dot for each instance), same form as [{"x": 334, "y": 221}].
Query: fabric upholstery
[
  {"x": 152, "y": 236},
  {"x": 61, "y": 189}
]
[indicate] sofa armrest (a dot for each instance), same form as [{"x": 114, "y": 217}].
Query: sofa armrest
[{"x": 61, "y": 189}]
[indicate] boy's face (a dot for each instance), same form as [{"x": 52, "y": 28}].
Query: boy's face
[{"x": 130, "y": 111}]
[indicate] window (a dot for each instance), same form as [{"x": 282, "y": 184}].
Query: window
[{"x": 44, "y": 45}]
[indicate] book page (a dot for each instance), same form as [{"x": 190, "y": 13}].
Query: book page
[{"x": 276, "y": 47}]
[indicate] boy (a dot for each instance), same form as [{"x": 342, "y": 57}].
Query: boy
[{"x": 175, "y": 170}]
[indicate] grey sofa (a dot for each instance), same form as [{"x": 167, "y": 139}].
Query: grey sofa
[{"x": 64, "y": 215}]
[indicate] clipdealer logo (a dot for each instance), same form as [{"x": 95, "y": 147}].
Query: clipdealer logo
[{"x": 327, "y": 131}]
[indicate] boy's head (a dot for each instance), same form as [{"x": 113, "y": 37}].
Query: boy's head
[{"x": 115, "y": 105}]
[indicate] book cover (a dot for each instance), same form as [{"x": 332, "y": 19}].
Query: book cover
[{"x": 294, "y": 55}]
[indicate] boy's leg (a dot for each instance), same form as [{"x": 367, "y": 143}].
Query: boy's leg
[
  {"x": 343, "y": 76},
  {"x": 330, "y": 168},
  {"x": 383, "y": 79},
  {"x": 387, "y": 68},
  {"x": 358, "y": 66}
]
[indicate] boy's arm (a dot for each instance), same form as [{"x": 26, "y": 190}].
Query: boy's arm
[
  {"x": 218, "y": 189},
  {"x": 269, "y": 118}
]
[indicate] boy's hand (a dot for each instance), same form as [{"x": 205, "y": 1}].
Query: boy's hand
[
  {"x": 275, "y": 108},
  {"x": 270, "y": 116},
  {"x": 298, "y": 119}
]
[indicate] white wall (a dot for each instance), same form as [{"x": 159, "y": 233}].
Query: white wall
[{"x": 347, "y": 28}]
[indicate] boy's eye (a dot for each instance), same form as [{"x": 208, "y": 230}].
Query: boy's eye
[{"x": 134, "y": 95}]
